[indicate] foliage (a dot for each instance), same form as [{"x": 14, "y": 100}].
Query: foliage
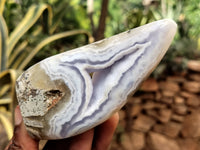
[
  {"x": 192, "y": 13},
  {"x": 127, "y": 14},
  {"x": 5, "y": 117}
]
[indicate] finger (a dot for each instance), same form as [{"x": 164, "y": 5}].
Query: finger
[
  {"x": 79, "y": 142},
  {"x": 104, "y": 133},
  {"x": 21, "y": 140},
  {"x": 82, "y": 141}
]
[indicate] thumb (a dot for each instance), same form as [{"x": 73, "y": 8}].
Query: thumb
[{"x": 21, "y": 139}]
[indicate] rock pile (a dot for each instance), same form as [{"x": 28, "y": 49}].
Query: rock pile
[{"x": 163, "y": 114}]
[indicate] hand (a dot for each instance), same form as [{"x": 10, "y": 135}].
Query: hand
[{"x": 98, "y": 138}]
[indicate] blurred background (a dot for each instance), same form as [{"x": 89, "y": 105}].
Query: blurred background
[{"x": 163, "y": 114}]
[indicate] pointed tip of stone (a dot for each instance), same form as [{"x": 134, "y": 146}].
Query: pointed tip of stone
[
  {"x": 171, "y": 25},
  {"x": 170, "y": 21}
]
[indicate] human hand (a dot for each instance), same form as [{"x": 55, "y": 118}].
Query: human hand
[{"x": 98, "y": 138}]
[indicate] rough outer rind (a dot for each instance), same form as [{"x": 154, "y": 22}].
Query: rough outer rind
[{"x": 36, "y": 99}]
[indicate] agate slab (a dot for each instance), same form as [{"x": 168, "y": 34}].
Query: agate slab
[{"x": 59, "y": 99}]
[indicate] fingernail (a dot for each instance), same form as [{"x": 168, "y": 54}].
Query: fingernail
[{"x": 18, "y": 116}]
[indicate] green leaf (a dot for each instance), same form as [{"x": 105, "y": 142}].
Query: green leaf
[
  {"x": 16, "y": 53},
  {"x": 3, "y": 44},
  {"x": 35, "y": 11},
  {"x": 7, "y": 125},
  {"x": 2, "y": 4},
  {"x": 49, "y": 40},
  {"x": 8, "y": 77}
]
